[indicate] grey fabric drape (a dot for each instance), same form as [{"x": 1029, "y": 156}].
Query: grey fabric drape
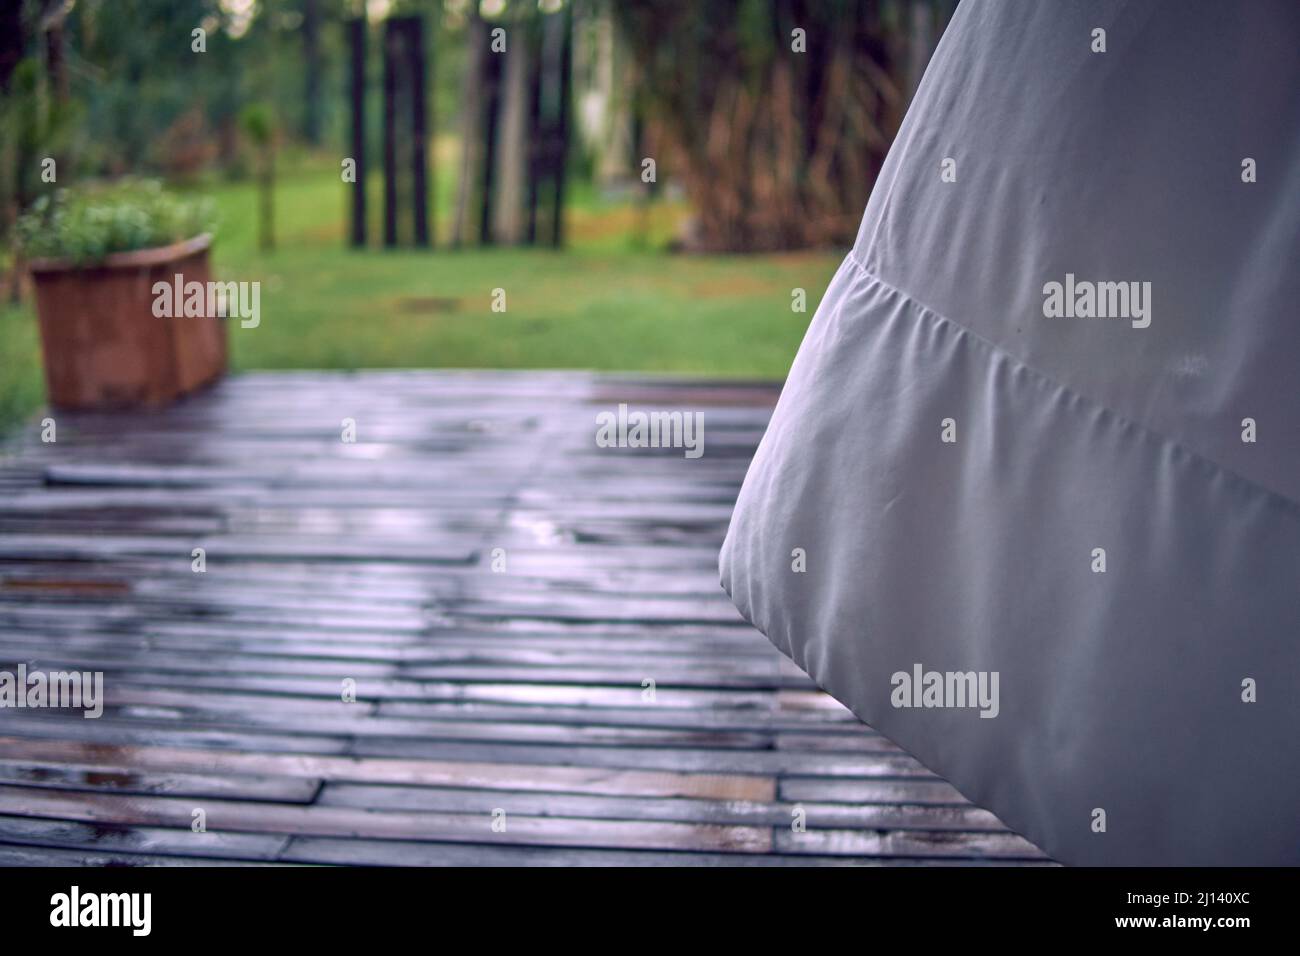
[{"x": 972, "y": 471}]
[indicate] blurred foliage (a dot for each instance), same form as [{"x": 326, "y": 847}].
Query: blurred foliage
[
  {"x": 32, "y": 127},
  {"x": 257, "y": 121},
  {"x": 146, "y": 89},
  {"x": 149, "y": 103},
  {"x": 87, "y": 223},
  {"x": 775, "y": 114}
]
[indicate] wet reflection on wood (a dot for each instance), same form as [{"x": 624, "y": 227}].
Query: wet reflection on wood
[{"x": 545, "y": 669}]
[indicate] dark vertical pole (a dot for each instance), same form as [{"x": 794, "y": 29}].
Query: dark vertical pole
[
  {"x": 562, "y": 127},
  {"x": 492, "y": 70},
  {"x": 391, "y": 42},
  {"x": 357, "y": 42},
  {"x": 548, "y": 142},
  {"x": 11, "y": 41},
  {"x": 536, "y": 133},
  {"x": 646, "y": 194},
  {"x": 419, "y": 135}
]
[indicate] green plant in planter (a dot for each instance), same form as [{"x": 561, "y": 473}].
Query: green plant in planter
[{"x": 85, "y": 224}]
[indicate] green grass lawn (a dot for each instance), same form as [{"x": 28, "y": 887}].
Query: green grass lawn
[
  {"x": 22, "y": 386},
  {"x": 608, "y": 302}
]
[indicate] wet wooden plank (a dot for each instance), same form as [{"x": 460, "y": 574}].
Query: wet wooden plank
[
  {"x": 357, "y": 722},
  {"x": 68, "y": 547},
  {"x": 69, "y": 832},
  {"x": 29, "y": 856},
  {"x": 49, "y": 728},
  {"x": 634, "y": 757},
  {"x": 375, "y": 689},
  {"x": 397, "y": 853},
  {"x": 933, "y": 843},
  {"x": 106, "y": 654},
  {"x": 224, "y": 816},
  {"x": 501, "y": 776},
  {"x": 864, "y": 791},
  {"x": 891, "y": 816},
  {"x": 109, "y": 779}
]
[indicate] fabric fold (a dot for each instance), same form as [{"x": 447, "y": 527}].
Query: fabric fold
[{"x": 1120, "y": 690}]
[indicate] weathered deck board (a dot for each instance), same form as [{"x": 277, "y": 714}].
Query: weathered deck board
[{"x": 478, "y": 691}]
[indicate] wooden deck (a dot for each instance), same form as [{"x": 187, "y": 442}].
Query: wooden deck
[{"x": 478, "y": 691}]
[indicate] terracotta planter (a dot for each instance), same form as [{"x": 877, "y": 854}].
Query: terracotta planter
[{"x": 103, "y": 345}]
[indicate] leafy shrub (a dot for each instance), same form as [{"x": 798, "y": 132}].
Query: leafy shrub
[{"x": 87, "y": 223}]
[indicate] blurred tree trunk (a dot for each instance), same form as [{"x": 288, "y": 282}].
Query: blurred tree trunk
[
  {"x": 312, "y": 70},
  {"x": 471, "y": 126},
  {"x": 511, "y": 177},
  {"x": 616, "y": 83},
  {"x": 776, "y": 147},
  {"x": 54, "y": 13}
]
